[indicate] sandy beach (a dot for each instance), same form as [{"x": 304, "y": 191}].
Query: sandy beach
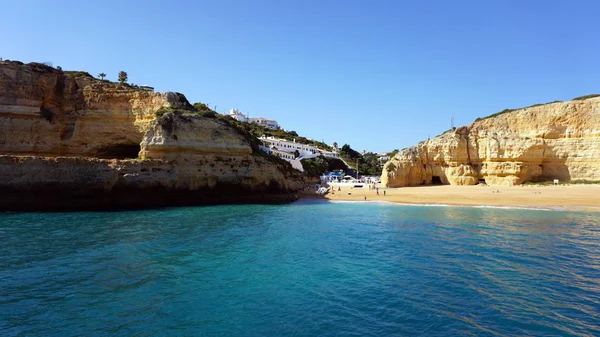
[{"x": 563, "y": 197}]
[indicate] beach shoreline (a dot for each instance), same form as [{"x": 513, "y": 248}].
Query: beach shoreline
[{"x": 559, "y": 198}]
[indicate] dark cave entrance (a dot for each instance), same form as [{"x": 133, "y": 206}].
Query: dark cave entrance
[
  {"x": 120, "y": 151},
  {"x": 436, "y": 180}
]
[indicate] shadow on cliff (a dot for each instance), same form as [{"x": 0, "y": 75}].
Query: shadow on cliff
[
  {"x": 119, "y": 151},
  {"x": 61, "y": 200},
  {"x": 556, "y": 169}
]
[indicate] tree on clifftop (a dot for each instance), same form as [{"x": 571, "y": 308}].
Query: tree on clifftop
[
  {"x": 102, "y": 76},
  {"x": 122, "y": 77},
  {"x": 349, "y": 152}
]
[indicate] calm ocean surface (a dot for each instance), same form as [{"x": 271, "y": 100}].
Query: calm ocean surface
[{"x": 304, "y": 269}]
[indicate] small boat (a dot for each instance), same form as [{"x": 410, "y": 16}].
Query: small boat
[{"x": 323, "y": 190}]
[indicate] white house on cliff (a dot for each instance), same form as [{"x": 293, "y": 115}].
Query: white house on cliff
[
  {"x": 287, "y": 150},
  {"x": 240, "y": 116}
]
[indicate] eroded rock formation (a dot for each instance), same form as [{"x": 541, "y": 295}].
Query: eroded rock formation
[
  {"x": 539, "y": 143},
  {"x": 69, "y": 141}
]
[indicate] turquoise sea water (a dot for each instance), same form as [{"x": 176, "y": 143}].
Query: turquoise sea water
[{"x": 304, "y": 269}]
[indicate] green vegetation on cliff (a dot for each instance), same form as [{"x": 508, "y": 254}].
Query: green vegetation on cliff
[
  {"x": 165, "y": 117},
  {"x": 75, "y": 73},
  {"x": 259, "y": 130},
  {"x": 511, "y": 110},
  {"x": 256, "y": 130},
  {"x": 315, "y": 167},
  {"x": 368, "y": 162},
  {"x": 580, "y": 98}
]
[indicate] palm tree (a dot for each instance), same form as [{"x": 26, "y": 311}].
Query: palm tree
[
  {"x": 122, "y": 77},
  {"x": 102, "y": 76}
]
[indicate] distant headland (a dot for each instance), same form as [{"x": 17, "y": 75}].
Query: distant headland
[
  {"x": 70, "y": 141},
  {"x": 542, "y": 143}
]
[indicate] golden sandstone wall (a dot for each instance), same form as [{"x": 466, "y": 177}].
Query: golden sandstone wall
[
  {"x": 47, "y": 112},
  {"x": 552, "y": 141},
  {"x": 69, "y": 141}
]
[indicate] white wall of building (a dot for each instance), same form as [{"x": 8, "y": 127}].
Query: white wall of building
[
  {"x": 240, "y": 116},
  {"x": 330, "y": 154},
  {"x": 269, "y": 123},
  {"x": 296, "y": 163},
  {"x": 306, "y": 151},
  {"x": 289, "y": 146},
  {"x": 383, "y": 157},
  {"x": 285, "y": 149},
  {"x": 235, "y": 114}
]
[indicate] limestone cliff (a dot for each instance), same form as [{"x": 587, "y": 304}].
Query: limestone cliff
[
  {"x": 552, "y": 141},
  {"x": 44, "y": 111},
  {"x": 69, "y": 141}
]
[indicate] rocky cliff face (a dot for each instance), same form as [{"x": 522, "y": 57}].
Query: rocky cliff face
[
  {"x": 69, "y": 141},
  {"x": 44, "y": 111},
  {"x": 552, "y": 141}
]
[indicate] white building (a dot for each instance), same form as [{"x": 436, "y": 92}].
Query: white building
[
  {"x": 290, "y": 157},
  {"x": 305, "y": 151},
  {"x": 383, "y": 157},
  {"x": 269, "y": 123},
  {"x": 238, "y": 116},
  {"x": 330, "y": 154},
  {"x": 286, "y": 149},
  {"x": 288, "y": 146}
]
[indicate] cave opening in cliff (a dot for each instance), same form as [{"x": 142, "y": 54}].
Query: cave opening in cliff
[
  {"x": 119, "y": 151},
  {"x": 436, "y": 180}
]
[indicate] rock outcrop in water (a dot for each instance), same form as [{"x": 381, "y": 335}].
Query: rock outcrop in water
[
  {"x": 558, "y": 140},
  {"x": 70, "y": 141}
]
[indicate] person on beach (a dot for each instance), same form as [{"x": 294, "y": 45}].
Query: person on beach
[
  {"x": 377, "y": 189},
  {"x": 384, "y": 193},
  {"x": 365, "y": 198}
]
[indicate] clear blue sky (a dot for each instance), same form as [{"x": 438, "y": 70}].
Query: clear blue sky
[{"x": 377, "y": 75}]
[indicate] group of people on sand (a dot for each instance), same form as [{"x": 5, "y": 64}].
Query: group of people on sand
[
  {"x": 375, "y": 188},
  {"x": 376, "y": 191},
  {"x": 339, "y": 189},
  {"x": 371, "y": 187}
]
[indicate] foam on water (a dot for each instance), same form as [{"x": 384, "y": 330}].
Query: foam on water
[
  {"x": 310, "y": 268},
  {"x": 383, "y": 202}
]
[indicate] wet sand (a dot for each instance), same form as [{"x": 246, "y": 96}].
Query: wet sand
[{"x": 566, "y": 197}]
